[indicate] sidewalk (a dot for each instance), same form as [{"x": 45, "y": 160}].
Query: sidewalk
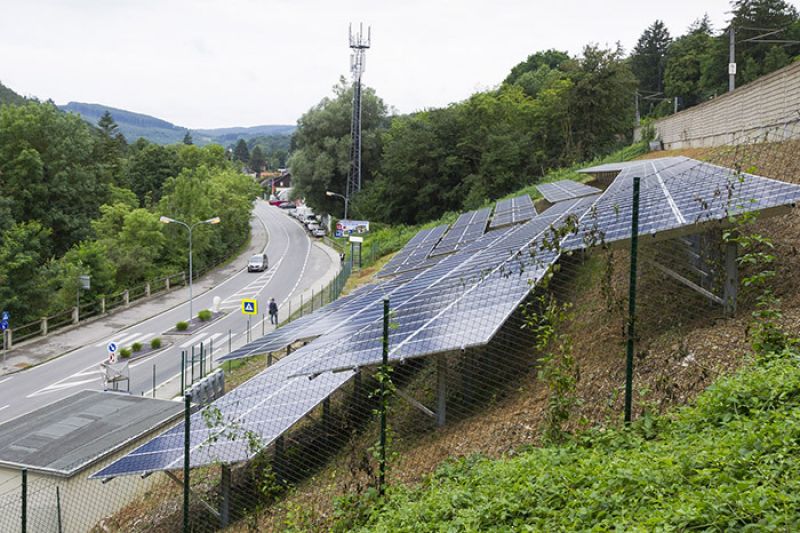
[{"x": 46, "y": 348}]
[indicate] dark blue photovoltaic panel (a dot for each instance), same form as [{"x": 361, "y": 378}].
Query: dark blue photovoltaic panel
[
  {"x": 487, "y": 283},
  {"x": 414, "y": 254},
  {"x": 558, "y": 191},
  {"x": 467, "y": 228},
  {"x": 677, "y": 193},
  {"x": 513, "y": 211}
]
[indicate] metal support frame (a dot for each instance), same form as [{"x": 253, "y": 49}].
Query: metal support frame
[
  {"x": 189, "y": 491},
  {"x": 225, "y": 503},
  {"x": 632, "y": 302},
  {"x": 441, "y": 390},
  {"x": 731, "y": 287},
  {"x": 689, "y": 283}
]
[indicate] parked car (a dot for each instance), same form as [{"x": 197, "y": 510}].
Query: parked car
[
  {"x": 286, "y": 205},
  {"x": 311, "y": 226},
  {"x": 319, "y": 232},
  {"x": 258, "y": 263}
]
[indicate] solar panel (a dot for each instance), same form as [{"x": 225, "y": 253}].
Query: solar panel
[
  {"x": 468, "y": 302},
  {"x": 675, "y": 194},
  {"x": 414, "y": 254},
  {"x": 513, "y": 211},
  {"x": 558, "y": 191},
  {"x": 467, "y": 228}
]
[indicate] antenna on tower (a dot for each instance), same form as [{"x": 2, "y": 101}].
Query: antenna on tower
[{"x": 359, "y": 43}]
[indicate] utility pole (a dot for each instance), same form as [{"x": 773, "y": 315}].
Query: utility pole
[
  {"x": 732, "y": 59},
  {"x": 359, "y": 45}
]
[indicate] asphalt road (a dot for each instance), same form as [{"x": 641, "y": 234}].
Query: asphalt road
[{"x": 294, "y": 266}]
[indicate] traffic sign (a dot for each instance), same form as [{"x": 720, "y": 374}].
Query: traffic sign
[
  {"x": 6, "y": 317},
  {"x": 3, "y": 325},
  {"x": 112, "y": 347},
  {"x": 249, "y": 307},
  {"x": 356, "y": 239}
]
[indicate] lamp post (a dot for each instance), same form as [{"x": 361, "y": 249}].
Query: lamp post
[
  {"x": 167, "y": 220},
  {"x": 343, "y": 197}
]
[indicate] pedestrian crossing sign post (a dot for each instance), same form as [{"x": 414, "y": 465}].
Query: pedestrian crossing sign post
[{"x": 249, "y": 307}]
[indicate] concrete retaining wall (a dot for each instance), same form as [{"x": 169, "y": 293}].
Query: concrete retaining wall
[{"x": 767, "y": 109}]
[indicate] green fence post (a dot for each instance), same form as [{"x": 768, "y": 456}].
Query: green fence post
[
  {"x": 382, "y": 385},
  {"x": 186, "y": 441},
  {"x": 632, "y": 302},
  {"x": 192, "y": 367},
  {"x": 154, "y": 381},
  {"x": 58, "y": 509},
  {"x": 24, "y": 500}
]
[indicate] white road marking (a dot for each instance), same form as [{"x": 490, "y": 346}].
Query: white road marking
[
  {"x": 61, "y": 386},
  {"x": 120, "y": 340},
  {"x": 5, "y": 406},
  {"x": 195, "y": 340},
  {"x": 4, "y": 380}
]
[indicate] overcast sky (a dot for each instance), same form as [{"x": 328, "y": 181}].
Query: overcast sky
[{"x": 206, "y": 64}]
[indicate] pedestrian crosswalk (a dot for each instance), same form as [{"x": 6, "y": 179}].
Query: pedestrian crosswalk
[{"x": 126, "y": 339}]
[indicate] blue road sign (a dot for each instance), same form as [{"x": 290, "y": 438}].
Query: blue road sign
[
  {"x": 112, "y": 347},
  {"x": 3, "y": 325},
  {"x": 6, "y": 316}
]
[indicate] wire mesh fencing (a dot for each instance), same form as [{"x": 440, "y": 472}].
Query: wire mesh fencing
[{"x": 531, "y": 333}]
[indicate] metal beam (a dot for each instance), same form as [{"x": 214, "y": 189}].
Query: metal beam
[
  {"x": 689, "y": 283},
  {"x": 196, "y": 496},
  {"x": 441, "y": 390}
]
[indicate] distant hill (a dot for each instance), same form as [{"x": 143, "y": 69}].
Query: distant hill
[
  {"x": 7, "y": 96},
  {"x": 136, "y": 125}
]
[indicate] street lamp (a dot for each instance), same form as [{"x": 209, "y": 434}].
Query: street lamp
[
  {"x": 343, "y": 197},
  {"x": 167, "y": 220}
]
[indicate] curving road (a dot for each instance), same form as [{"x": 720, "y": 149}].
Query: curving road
[{"x": 295, "y": 265}]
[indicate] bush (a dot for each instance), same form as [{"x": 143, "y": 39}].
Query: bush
[
  {"x": 155, "y": 344},
  {"x": 125, "y": 353},
  {"x": 136, "y": 347},
  {"x": 204, "y": 315},
  {"x": 182, "y": 326}
]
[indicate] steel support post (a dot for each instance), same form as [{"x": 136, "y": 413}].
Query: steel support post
[{"x": 632, "y": 302}]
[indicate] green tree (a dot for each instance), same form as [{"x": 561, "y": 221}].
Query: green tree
[
  {"x": 649, "y": 56},
  {"x": 687, "y": 56},
  {"x": 49, "y": 171},
  {"x": 148, "y": 167},
  {"x": 23, "y": 287},
  {"x": 138, "y": 247},
  {"x": 187, "y": 138},
  {"x": 321, "y": 157},
  {"x": 110, "y": 148},
  {"x": 257, "y": 160},
  {"x": 241, "y": 152}
]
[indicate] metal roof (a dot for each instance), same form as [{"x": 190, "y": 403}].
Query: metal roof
[{"x": 68, "y": 435}]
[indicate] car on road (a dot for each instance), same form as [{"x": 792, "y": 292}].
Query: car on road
[
  {"x": 258, "y": 263},
  {"x": 286, "y": 205},
  {"x": 319, "y": 232}
]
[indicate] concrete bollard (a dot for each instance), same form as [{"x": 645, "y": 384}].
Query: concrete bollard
[
  {"x": 147, "y": 289},
  {"x": 44, "y": 326},
  {"x": 166, "y": 284},
  {"x": 9, "y": 339},
  {"x": 103, "y": 305},
  {"x": 75, "y": 315},
  {"x": 126, "y": 298}
]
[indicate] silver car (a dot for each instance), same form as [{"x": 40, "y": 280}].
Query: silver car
[{"x": 258, "y": 263}]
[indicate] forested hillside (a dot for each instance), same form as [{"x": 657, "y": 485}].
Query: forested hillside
[
  {"x": 78, "y": 200},
  {"x": 7, "y": 96},
  {"x": 138, "y": 125}
]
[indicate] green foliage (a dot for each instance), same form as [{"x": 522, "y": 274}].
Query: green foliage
[
  {"x": 125, "y": 353},
  {"x": 241, "y": 153},
  {"x": 136, "y": 347},
  {"x": 321, "y": 158},
  {"x": 205, "y": 315},
  {"x": 257, "y": 160},
  {"x": 729, "y": 462},
  {"x": 182, "y": 326},
  {"x": 648, "y": 58},
  {"x": 7, "y": 96},
  {"x": 23, "y": 287},
  {"x": 155, "y": 343}
]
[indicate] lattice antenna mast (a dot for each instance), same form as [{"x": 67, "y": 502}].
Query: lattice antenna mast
[{"x": 359, "y": 43}]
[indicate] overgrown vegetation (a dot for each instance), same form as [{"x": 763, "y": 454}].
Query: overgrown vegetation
[{"x": 78, "y": 200}]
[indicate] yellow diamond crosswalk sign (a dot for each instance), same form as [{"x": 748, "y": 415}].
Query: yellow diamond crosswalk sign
[{"x": 249, "y": 307}]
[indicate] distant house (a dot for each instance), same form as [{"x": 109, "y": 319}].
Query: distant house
[{"x": 61, "y": 444}]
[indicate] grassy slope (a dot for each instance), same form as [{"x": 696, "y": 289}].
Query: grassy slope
[{"x": 731, "y": 461}]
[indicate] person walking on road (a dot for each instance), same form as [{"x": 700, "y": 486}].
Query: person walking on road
[{"x": 273, "y": 312}]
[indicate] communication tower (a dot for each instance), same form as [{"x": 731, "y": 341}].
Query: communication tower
[{"x": 359, "y": 43}]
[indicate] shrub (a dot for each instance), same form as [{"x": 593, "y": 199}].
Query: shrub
[
  {"x": 204, "y": 315},
  {"x": 136, "y": 347},
  {"x": 182, "y": 326},
  {"x": 155, "y": 343},
  {"x": 125, "y": 353}
]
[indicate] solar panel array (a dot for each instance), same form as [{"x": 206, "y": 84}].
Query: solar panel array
[
  {"x": 414, "y": 254},
  {"x": 677, "y": 193},
  {"x": 460, "y": 301},
  {"x": 469, "y": 227},
  {"x": 558, "y": 191},
  {"x": 513, "y": 211}
]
